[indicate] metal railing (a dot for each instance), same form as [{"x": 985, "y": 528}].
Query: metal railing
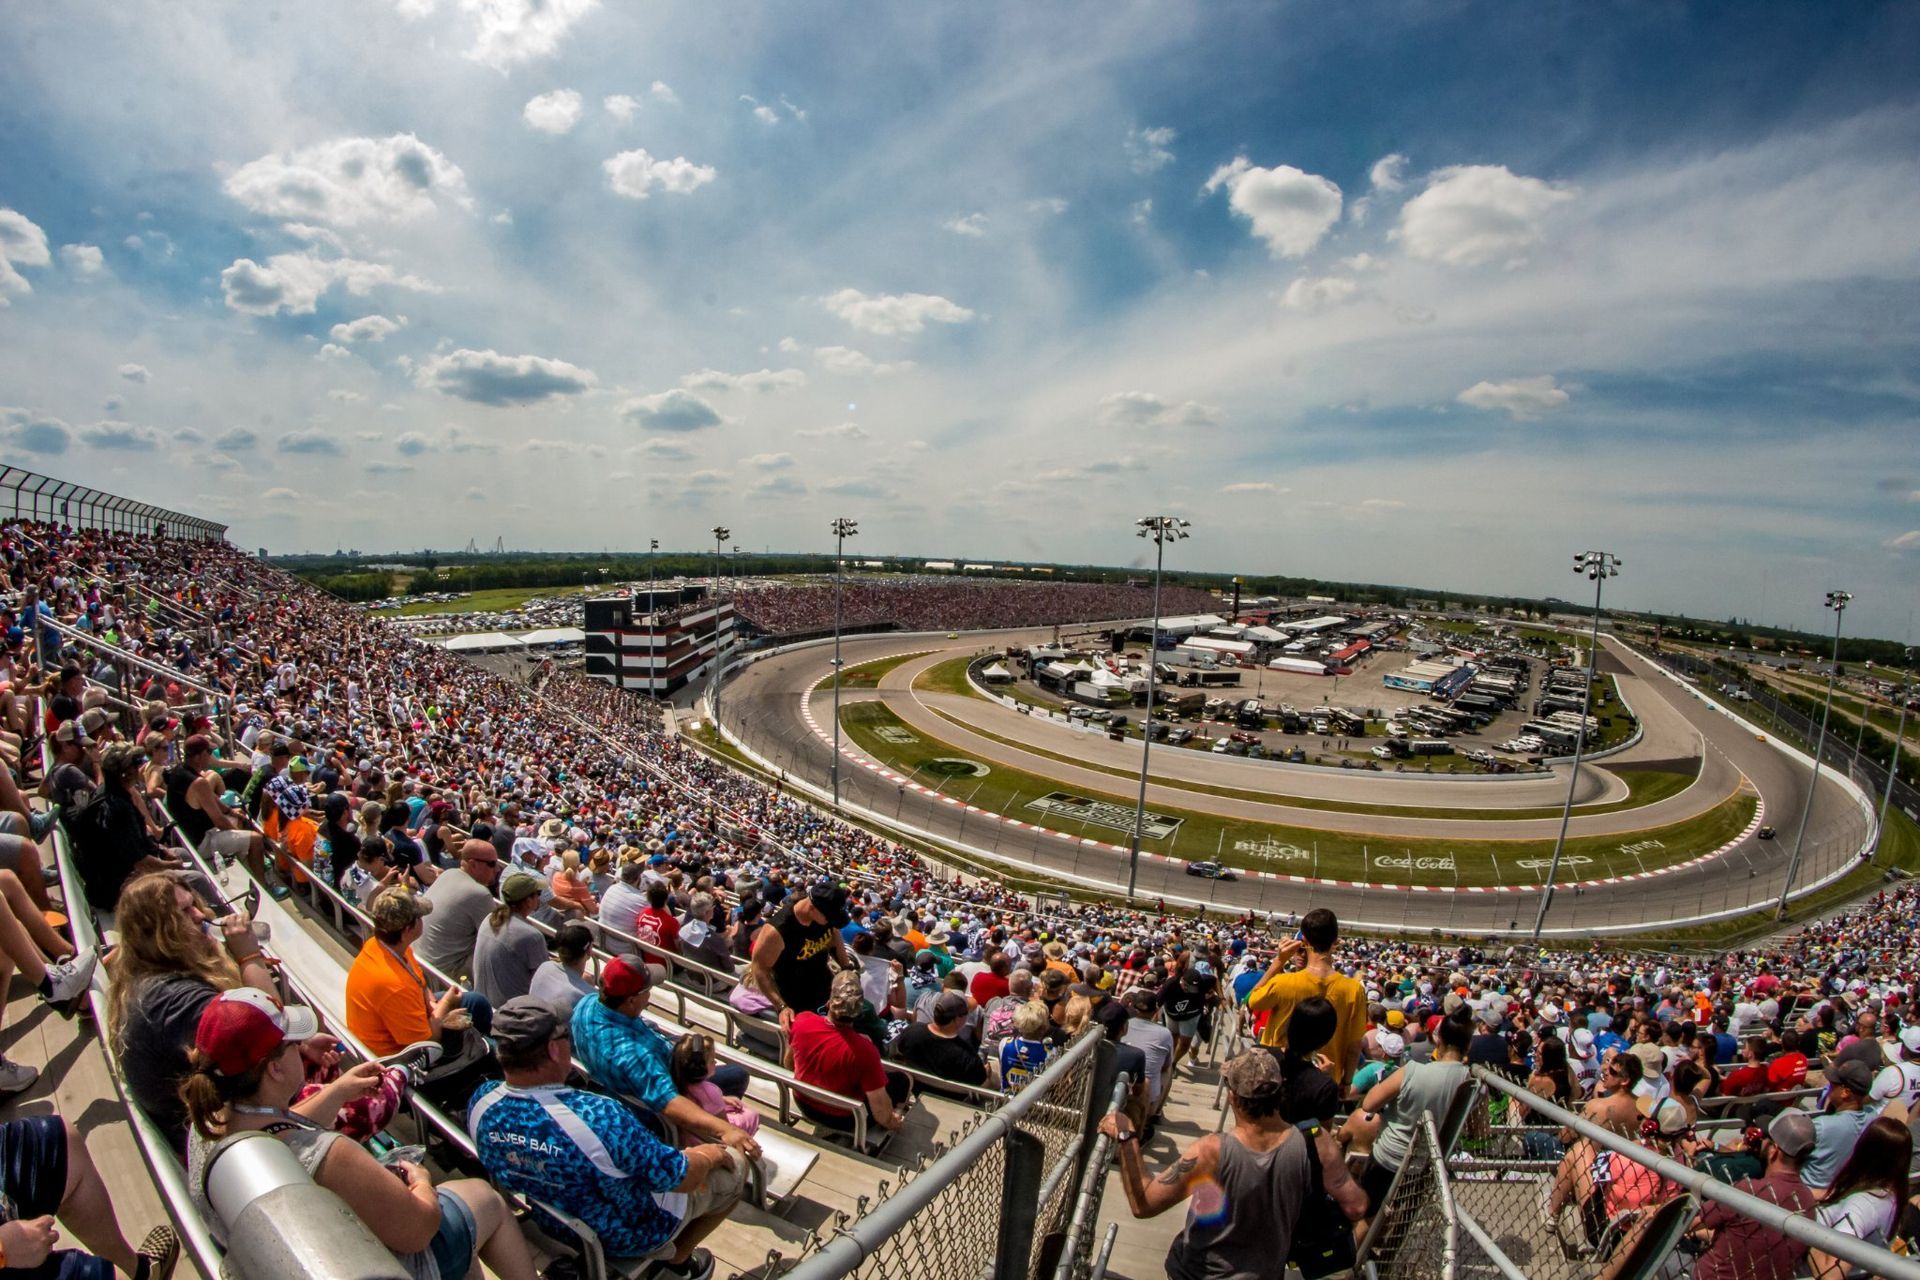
[
  {"x": 998, "y": 1201},
  {"x": 1531, "y": 1203},
  {"x": 38, "y": 497},
  {"x": 1413, "y": 1232}
]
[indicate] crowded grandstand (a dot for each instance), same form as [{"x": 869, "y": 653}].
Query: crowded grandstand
[{"x": 599, "y": 1000}]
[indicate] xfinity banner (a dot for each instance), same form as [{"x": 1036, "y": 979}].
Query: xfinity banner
[{"x": 1155, "y": 826}]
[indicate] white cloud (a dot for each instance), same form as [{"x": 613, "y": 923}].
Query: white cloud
[
  {"x": 487, "y": 377},
  {"x": 761, "y": 112},
  {"x": 839, "y": 431},
  {"x": 35, "y": 432},
  {"x": 1053, "y": 206},
  {"x": 855, "y": 487},
  {"x": 621, "y": 106},
  {"x": 382, "y": 467},
  {"x": 1266, "y": 487},
  {"x": 1474, "y": 214},
  {"x": 333, "y": 351},
  {"x": 22, "y": 244},
  {"x": 764, "y": 380},
  {"x": 1316, "y": 293},
  {"x": 235, "y": 440},
  {"x": 1520, "y": 398},
  {"x": 675, "y": 410},
  {"x": 350, "y": 181},
  {"x": 344, "y": 395},
  {"x": 851, "y": 363},
  {"x": 894, "y": 314},
  {"x": 661, "y": 449},
  {"x": 1150, "y": 149},
  {"x": 375, "y": 328},
  {"x": 1389, "y": 172},
  {"x": 122, "y": 436},
  {"x": 281, "y": 494},
  {"x": 1141, "y": 212},
  {"x": 1144, "y": 409},
  {"x": 1908, "y": 541},
  {"x": 768, "y": 461},
  {"x": 555, "y": 112},
  {"x": 776, "y": 486},
  {"x": 135, "y": 373},
  {"x": 636, "y": 173},
  {"x": 83, "y": 259},
  {"x": 663, "y": 92},
  {"x": 1289, "y": 209},
  {"x": 293, "y": 282},
  {"x": 1360, "y": 262},
  {"x": 511, "y": 31},
  {"x": 310, "y": 442},
  {"x": 972, "y": 224}
]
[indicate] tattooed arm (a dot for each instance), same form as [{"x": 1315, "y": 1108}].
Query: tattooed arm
[{"x": 1149, "y": 1199}]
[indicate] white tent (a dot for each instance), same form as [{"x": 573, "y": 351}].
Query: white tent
[
  {"x": 996, "y": 673},
  {"x": 479, "y": 642},
  {"x": 554, "y": 635}
]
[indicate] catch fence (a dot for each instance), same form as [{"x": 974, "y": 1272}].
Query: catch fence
[{"x": 38, "y": 497}]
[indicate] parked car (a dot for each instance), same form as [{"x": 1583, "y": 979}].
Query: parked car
[
  {"x": 1080, "y": 713},
  {"x": 1211, "y": 871},
  {"x": 1180, "y": 736}
]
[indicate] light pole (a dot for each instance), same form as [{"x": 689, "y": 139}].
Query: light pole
[
  {"x": 720, "y": 535},
  {"x": 653, "y": 546},
  {"x": 1162, "y": 529},
  {"x": 1836, "y": 601},
  {"x": 1893, "y": 765},
  {"x": 1598, "y": 566},
  {"x": 843, "y": 529}
]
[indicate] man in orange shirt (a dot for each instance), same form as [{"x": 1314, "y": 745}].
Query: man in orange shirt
[
  {"x": 389, "y": 1004},
  {"x": 1280, "y": 990}
]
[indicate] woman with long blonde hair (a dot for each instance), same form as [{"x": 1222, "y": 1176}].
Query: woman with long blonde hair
[{"x": 173, "y": 959}]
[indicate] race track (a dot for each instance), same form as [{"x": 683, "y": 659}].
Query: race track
[{"x": 779, "y": 710}]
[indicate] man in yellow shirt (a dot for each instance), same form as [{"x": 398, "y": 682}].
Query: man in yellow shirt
[{"x": 1280, "y": 990}]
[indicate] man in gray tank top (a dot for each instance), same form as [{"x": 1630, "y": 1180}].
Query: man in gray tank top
[{"x": 1252, "y": 1182}]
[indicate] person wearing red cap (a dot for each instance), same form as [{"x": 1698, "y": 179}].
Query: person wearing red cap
[{"x": 246, "y": 1072}]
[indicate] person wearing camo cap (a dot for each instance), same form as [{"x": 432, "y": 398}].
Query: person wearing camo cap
[{"x": 1244, "y": 1229}]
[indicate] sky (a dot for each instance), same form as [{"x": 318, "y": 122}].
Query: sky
[{"x": 1418, "y": 293}]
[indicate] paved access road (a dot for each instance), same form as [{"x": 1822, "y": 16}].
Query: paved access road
[{"x": 767, "y": 705}]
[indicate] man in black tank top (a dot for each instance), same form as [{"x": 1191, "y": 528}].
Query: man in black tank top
[
  {"x": 1263, "y": 1168},
  {"x": 193, "y": 801},
  {"x": 793, "y": 954}
]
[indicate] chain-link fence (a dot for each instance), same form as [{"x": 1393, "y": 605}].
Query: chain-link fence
[
  {"x": 1542, "y": 1193},
  {"x": 1413, "y": 1234},
  {"x": 998, "y": 1200}
]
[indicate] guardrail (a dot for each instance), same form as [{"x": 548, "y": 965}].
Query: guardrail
[{"x": 38, "y": 497}]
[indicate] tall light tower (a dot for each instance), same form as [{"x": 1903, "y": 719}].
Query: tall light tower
[
  {"x": 1893, "y": 766},
  {"x": 843, "y": 529},
  {"x": 720, "y": 535},
  {"x": 1836, "y": 601},
  {"x": 653, "y": 548},
  {"x": 1162, "y": 529},
  {"x": 1598, "y": 566}
]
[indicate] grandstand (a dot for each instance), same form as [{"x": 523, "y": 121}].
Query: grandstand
[{"x": 173, "y": 635}]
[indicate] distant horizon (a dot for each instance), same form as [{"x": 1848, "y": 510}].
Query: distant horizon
[{"x": 1573, "y": 606}]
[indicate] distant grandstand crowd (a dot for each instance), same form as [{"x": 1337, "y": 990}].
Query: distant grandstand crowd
[
  {"x": 403, "y": 775},
  {"x": 942, "y": 604}
]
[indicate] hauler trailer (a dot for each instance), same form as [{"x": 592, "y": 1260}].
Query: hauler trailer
[
  {"x": 1299, "y": 666},
  {"x": 1429, "y": 747},
  {"x": 1554, "y": 735}
]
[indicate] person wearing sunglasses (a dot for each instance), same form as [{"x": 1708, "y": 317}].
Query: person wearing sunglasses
[{"x": 462, "y": 900}]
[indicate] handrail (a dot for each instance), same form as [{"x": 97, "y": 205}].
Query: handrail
[
  {"x": 1794, "y": 1226},
  {"x": 1494, "y": 1253}
]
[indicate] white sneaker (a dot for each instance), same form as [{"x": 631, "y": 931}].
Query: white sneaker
[
  {"x": 16, "y": 1077},
  {"x": 70, "y": 978}
]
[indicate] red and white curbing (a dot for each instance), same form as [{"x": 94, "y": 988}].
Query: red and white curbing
[{"x": 874, "y": 766}]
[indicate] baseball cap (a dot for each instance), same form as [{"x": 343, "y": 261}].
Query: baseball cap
[
  {"x": 1651, "y": 1059},
  {"x": 198, "y": 743},
  {"x": 524, "y": 1024},
  {"x": 299, "y": 764},
  {"x": 949, "y": 1006},
  {"x": 72, "y": 731},
  {"x": 1667, "y": 1113},
  {"x": 1396, "y": 1019},
  {"x": 95, "y": 720},
  {"x": 621, "y": 978},
  {"x": 243, "y": 1028},
  {"x": 845, "y": 1000},
  {"x": 1910, "y": 1037},
  {"x": 397, "y": 907},
  {"x": 1086, "y": 989},
  {"x": 1253, "y": 1073},
  {"x": 519, "y": 886},
  {"x": 1855, "y": 1075},
  {"x": 1390, "y": 1044},
  {"x": 1582, "y": 1043},
  {"x": 830, "y": 900},
  {"x": 1792, "y": 1132}
]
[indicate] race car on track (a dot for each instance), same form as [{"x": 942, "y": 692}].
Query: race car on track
[
  {"x": 1765, "y": 833},
  {"x": 1211, "y": 871}
]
